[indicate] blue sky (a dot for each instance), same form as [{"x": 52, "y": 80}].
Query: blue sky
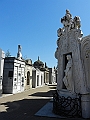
[{"x": 33, "y": 24}]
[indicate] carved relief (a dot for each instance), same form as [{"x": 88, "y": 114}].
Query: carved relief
[
  {"x": 70, "y": 29},
  {"x": 70, "y": 23},
  {"x": 60, "y": 32},
  {"x": 85, "y": 50},
  {"x": 76, "y": 22},
  {"x": 69, "y": 40}
]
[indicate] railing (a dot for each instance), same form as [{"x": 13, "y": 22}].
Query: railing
[{"x": 68, "y": 107}]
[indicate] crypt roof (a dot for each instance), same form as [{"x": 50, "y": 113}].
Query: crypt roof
[
  {"x": 38, "y": 63},
  {"x": 28, "y": 62}
]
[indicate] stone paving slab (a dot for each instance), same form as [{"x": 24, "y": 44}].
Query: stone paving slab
[
  {"x": 46, "y": 110},
  {"x": 24, "y": 106}
]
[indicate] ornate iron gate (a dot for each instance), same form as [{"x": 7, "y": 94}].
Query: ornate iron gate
[{"x": 68, "y": 107}]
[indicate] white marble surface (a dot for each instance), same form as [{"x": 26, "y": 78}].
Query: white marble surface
[
  {"x": 46, "y": 111},
  {"x": 71, "y": 42}
]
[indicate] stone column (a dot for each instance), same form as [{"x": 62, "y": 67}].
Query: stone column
[{"x": 85, "y": 103}]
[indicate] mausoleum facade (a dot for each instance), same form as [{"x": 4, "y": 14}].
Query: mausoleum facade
[
  {"x": 28, "y": 74},
  {"x": 14, "y": 73},
  {"x": 72, "y": 53},
  {"x": 2, "y": 56}
]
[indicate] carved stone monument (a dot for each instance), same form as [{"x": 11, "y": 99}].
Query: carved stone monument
[
  {"x": 19, "y": 54},
  {"x": 73, "y": 55}
]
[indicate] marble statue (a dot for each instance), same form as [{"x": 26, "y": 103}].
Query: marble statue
[
  {"x": 19, "y": 54},
  {"x": 76, "y": 21},
  {"x": 67, "y": 20},
  {"x": 68, "y": 74}
]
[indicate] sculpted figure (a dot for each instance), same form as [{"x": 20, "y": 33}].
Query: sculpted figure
[
  {"x": 68, "y": 15},
  {"x": 67, "y": 20},
  {"x": 68, "y": 74},
  {"x": 77, "y": 22},
  {"x": 56, "y": 53},
  {"x": 19, "y": 55},
  {"x": 60, "y": 31}
]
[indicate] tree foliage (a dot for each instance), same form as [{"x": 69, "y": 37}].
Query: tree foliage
[{"x": 8, "y": 54}]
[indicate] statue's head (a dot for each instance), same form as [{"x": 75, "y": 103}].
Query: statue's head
[{"x": 68, "y": 57}]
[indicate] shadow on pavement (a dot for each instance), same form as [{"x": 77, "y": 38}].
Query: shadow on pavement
[
  {"x": 43, "y": 94},
  {"x": 26, "y": 108}
]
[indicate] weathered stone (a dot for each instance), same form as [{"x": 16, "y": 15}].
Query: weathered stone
[
  {"x": 74, "y": 76},
  {"x": 2, "y": 56}
]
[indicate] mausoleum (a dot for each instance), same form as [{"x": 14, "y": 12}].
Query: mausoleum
[
  {"x": 73, "y": 80},
  {"x": 37, "y": 78},
  {"x": 28, "y": 74},
  {"x": 2, "y": 56},
  {"x": 52, "y": 75},
  {"x": 14, "y": 73},
  {"x": 40, "y": 65}
]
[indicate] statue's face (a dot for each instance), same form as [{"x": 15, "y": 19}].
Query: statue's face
[{"x": 68, "y": 57}]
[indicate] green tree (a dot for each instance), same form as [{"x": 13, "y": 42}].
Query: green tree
[{"x": 8, "y": 54}]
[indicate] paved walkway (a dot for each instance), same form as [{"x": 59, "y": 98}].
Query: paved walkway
[{"x": 24, "y": 106}]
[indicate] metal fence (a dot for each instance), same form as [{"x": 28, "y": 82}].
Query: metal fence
[{"x": 68, "y": 107}]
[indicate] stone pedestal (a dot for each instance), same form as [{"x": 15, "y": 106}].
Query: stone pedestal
[
  {"x": 85, "y": 103},
  {"x": 66, "y": 93},
  {"x": 67, "y": 103}
]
